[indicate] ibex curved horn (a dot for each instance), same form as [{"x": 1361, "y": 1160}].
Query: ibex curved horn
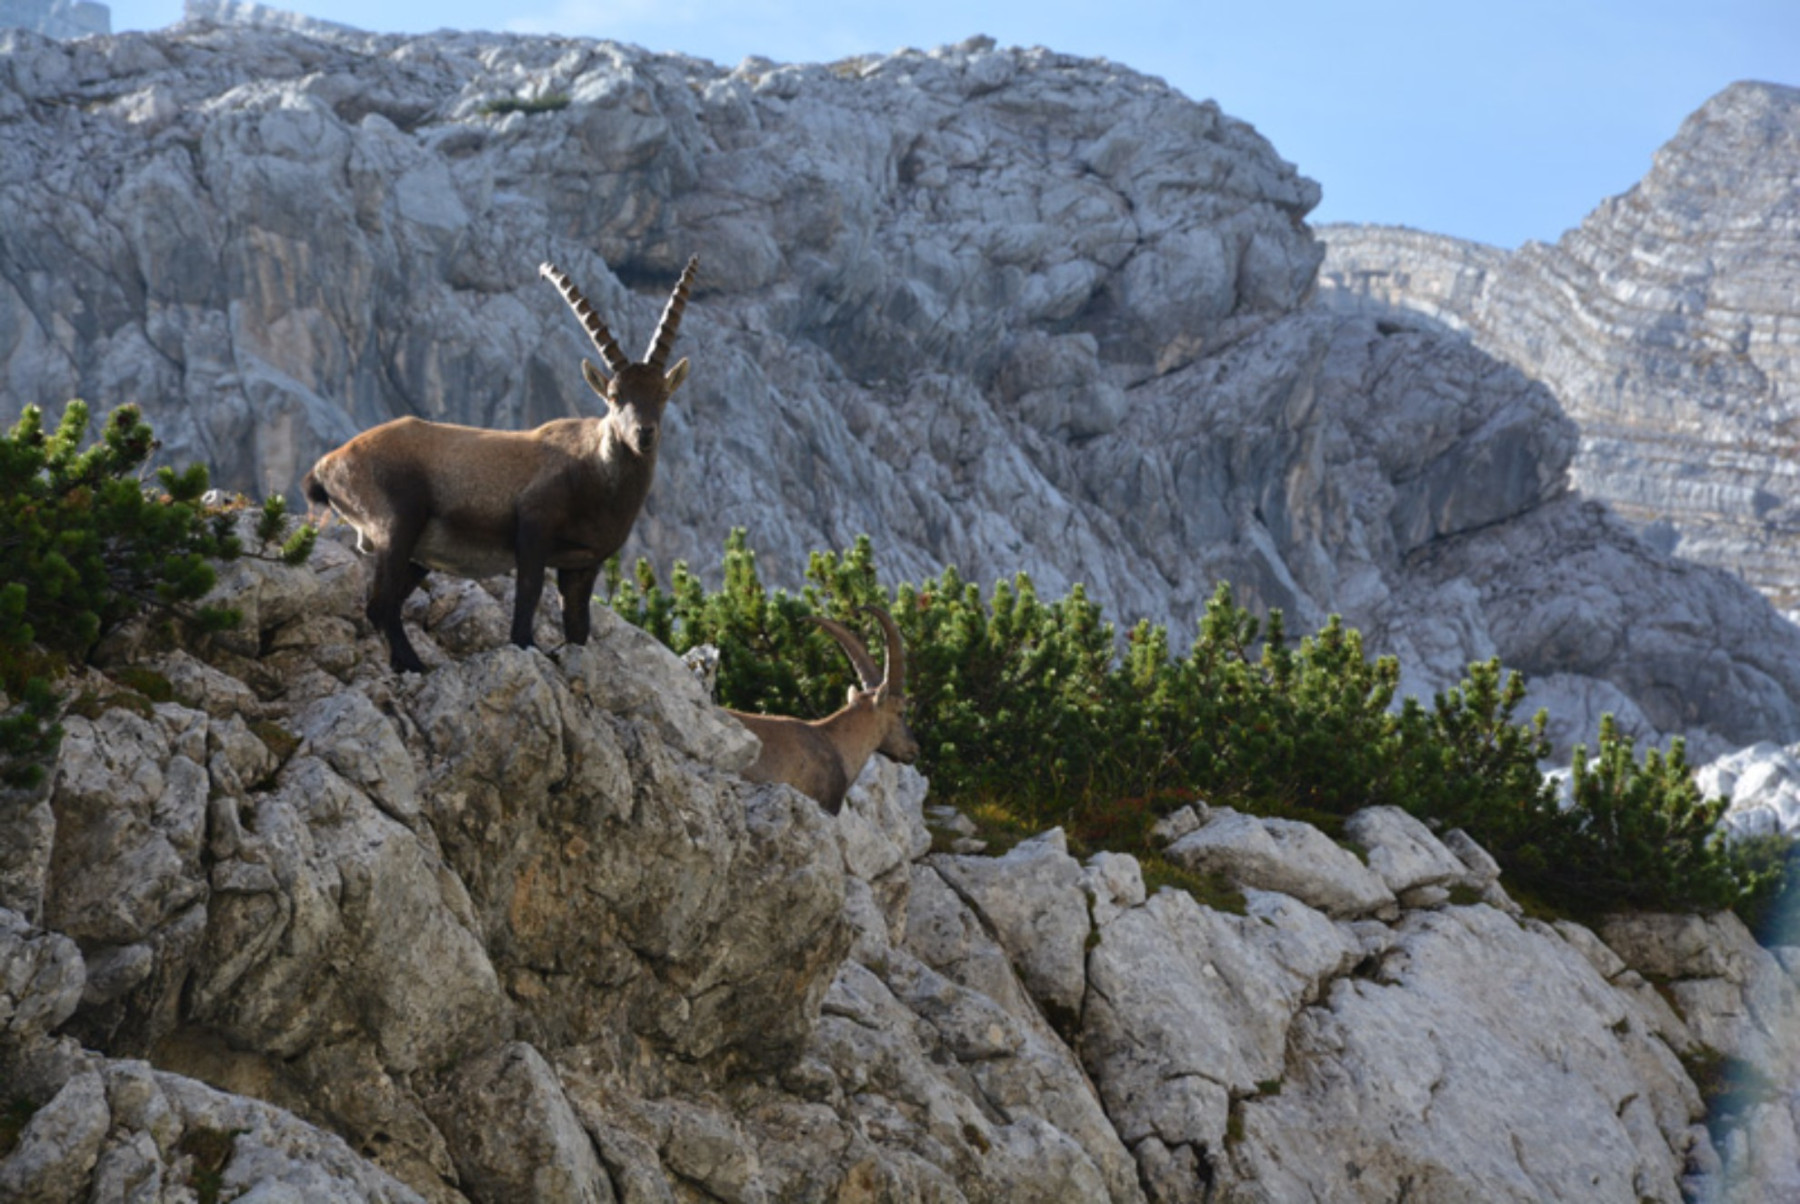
[
  {"x": 670, "y": 322},
  {"x": 822, "y": 757},
  {"x": 893, "y": 676},
  {"x": 853, "y": 648},
  {"x": 604, "y": 343}
]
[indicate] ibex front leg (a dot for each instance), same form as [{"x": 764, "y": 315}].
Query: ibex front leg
[
  {"x": 533, "y": 551},
  {"x": 577, "y": 588}
]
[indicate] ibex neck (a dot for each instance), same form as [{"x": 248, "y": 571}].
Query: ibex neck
[{"x": 856, "y": 733}]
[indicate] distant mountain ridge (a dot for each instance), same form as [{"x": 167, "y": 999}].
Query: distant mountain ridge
[
  {"x": 1666, "y": 323},
  {"x": 56, "y": 18}
]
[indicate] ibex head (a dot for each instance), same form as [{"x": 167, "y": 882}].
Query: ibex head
[
  {"x": 636, "y": 392},
  {"x": 884, "y": 693}
]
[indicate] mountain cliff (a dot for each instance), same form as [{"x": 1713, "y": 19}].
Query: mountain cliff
[
  {"x": 1004, "y": 309},
  {"x": 1663, "y": 324},
  {"x": 516, "y": 929}
]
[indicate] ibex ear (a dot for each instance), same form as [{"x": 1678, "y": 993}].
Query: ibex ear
[
  {"x": 676, "y": 375},
  {"x": 596, "y": 380}
]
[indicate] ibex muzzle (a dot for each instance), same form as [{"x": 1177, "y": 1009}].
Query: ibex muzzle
[
  {"x": 428, "y": 495},
  {"x": 822, "y": 757}
]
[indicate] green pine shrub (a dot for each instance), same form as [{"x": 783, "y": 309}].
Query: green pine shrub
[
  {"x": 1028, "y": 715},
  {"x": 550, "y": 102},
  {"x": 85, "y": 545}
]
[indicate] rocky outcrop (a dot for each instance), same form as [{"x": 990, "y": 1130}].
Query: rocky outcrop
[
  {"x": 1003, "y": 309},
  {"x": 1662, "y": 323},
  {"x": 1762, "y": 785},
  {"x": 517, "y": 929}
]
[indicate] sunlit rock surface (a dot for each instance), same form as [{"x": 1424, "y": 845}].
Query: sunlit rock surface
[
  {"x": 1664, "y": 325},
  {"x": 516, "y": 929}
]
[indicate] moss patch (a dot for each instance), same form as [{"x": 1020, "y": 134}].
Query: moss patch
[
  {"x": 279, "y": 740},
  {"x": 145, "y": 681},
  {"x": 210, "y": 1150},
  {"x": 91, "y": 704},
  {"x": 1209, "y": 888}
]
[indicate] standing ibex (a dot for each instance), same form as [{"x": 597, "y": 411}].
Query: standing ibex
[
  {"x": 427, "y": 495},
  {"x": 822, "y": 757}
]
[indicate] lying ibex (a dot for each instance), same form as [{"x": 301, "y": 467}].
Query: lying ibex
[
  {"x": 822, "y": 757},
  {"x": 427, "y": 495}
]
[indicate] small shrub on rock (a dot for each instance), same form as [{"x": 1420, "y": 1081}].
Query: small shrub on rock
[
  {"x": 1033, "y": 707},
  {"x": 88, "y": 543}
]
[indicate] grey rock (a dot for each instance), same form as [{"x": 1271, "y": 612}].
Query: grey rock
[
  {"x": 882, "y": 825},
  {"x": 1510, "y": 1088},
  {"x": 57, "y": 18},
  {"x": 1762, "y": 785},
  {"x": 1402, "y": 851},
  {"x": 363, "y": 747},
  {"x": 1179, "y": 823},
  {"x": 59, "y": 1145},
  {"x": 1683, "y": 377},
  {"x": 1477, "y": 862},
  {"x": 42, "y": 977},
  {"x": 1075, "y": 299},
  {"x": 1283, "y": 855},
  {"x": 615, "y": 665},
  {"x": 1112, "y": 882},
  {"x": 272, "y": 1154},
  {"x": 129, "y": 809},
  {"x": 27, "y": 840},
  {"x": 1032, "y": 900},
  {"x": 514, "y": 1135},
  {"x": 1189, "y": 1008}
]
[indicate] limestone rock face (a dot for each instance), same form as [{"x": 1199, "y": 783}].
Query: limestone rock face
[
  {"x": 1740, "y": 1004},
  {"x": 1762, "y": 783},
  {"x": 516, "y": 929},
  {"x": 1501, "y": 1118},
  {"x": 1663, "y": 323},
  {"x": 1003, "y": 309}
]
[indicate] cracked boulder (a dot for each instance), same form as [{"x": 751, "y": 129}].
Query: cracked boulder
[
  {"x": 1283, "y": 855},
  {"x": 1481, "y": 1059}
]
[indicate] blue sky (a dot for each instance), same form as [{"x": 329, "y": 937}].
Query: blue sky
[{"x": 1494, "y": 120}]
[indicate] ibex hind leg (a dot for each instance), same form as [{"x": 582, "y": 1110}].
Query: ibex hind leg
[
  {"x": 533, "y": 543},
  {"x": 396, "y": 577},
  {"x": 577, "y": 589}
]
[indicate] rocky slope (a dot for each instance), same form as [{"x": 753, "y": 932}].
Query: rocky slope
[
  {"x": 1005, "y": 309},
  {"x": 1664, "y": 325},
  {"x": 515, "y": 929}
]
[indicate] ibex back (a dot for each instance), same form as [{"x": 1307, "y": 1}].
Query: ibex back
[
  {"x": 428, "y": 495},
  {"x": 822, "y": 757}
]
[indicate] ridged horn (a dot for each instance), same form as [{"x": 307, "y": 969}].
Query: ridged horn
[
  {"x": 664, "y": 339},
  {"x": 604, "y": 343},
  {"x": 853, "y": 648},
  {"x": 893, "y": 677}
]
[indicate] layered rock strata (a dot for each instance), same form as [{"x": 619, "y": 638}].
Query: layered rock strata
[{"x": 1663, "y": 324}]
